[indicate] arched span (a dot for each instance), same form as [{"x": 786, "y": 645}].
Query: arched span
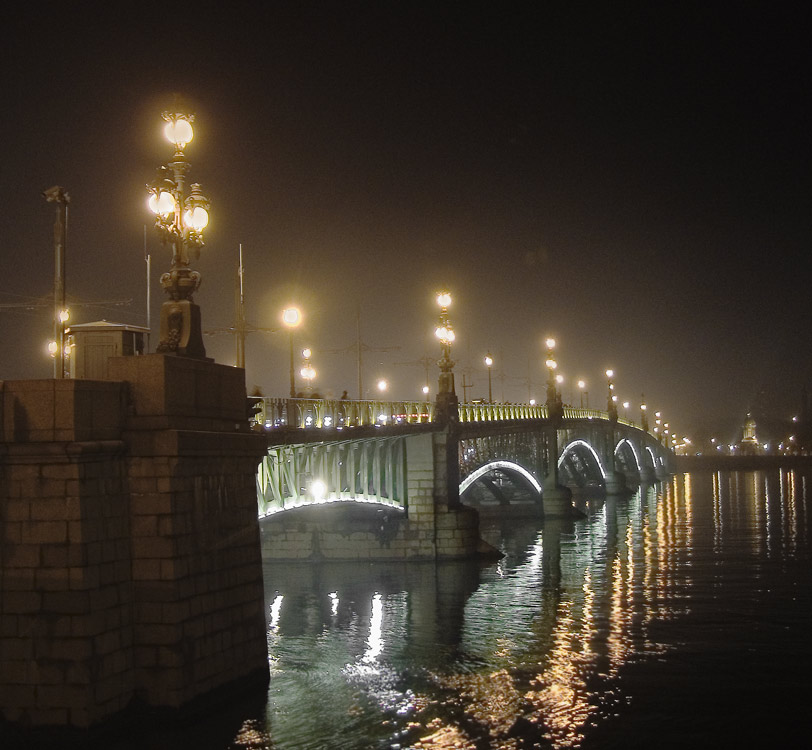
[
  {"x": 582, "y": 444},
  {"x": 629, "y": 443},
  {"x": 505, "y": 465},
  {"x": 654, "y": 462}
]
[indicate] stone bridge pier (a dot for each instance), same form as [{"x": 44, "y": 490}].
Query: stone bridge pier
[{"x": 131, "y": 575}]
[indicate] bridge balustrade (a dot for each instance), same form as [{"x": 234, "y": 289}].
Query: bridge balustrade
[
  {"x": 318, "y": 413},
  {"x": 304, "y": 413}
]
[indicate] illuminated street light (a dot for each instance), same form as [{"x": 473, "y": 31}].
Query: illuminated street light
[
  {"x": 180, "y": 218},
  {"x": 382, "y": 385},
  {"x": 554, "y": 404},
  {"x": 611, "y": 399},
  {"x": 643, "y": 413},
  {"x": 581, "y": 388},
  {"x": 307, "y": 372},
  {"x": 489, "y": 364},
  {"x": 291, "y": 317},
  {"x": 426, "y": 390},
  {"x": 445, "y": 335}
]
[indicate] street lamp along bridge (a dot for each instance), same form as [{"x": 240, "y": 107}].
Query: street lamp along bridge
[{"x": 181, "y": 215}]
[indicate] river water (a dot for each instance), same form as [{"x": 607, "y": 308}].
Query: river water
[{"x": 679, "y": 617}]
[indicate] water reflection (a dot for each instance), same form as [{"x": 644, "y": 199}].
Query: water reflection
[
  {"x": 697, "y": 589},
  {"x": 530, "y": 651}
]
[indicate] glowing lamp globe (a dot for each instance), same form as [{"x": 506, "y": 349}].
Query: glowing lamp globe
[
  {"x": 196, "y": 218},
  {"x": 161, "y": 203},
  {"x": 179, "y": 131},
  {"x": 291, "y": 316}
]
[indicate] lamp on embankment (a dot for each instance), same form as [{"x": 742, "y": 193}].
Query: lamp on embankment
[{"x": 181, "y": 215}]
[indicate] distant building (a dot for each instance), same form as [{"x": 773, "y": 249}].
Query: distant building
[{"x": 749, "y": 445}]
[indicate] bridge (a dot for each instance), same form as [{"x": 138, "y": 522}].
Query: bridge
[{"x": 401, "y": 479}]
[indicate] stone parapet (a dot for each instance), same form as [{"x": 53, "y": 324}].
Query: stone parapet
[
  {"x": 174, "y": 392},
  {"x": 61, "y": 410}
]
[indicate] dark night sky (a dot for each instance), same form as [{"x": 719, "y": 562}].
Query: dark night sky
[{"x": 634, "y": 180}]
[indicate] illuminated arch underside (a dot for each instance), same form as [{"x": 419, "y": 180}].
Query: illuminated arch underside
[
  {"x": 584, "y": 444},
  {"x": 505, "y": 465}
]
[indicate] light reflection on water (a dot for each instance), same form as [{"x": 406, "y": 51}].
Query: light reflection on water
[
  {"x": 669, "y": 618},
  {"x": 532, "y": 651}
]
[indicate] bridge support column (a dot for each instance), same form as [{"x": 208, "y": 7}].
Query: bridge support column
[
  {"x": 556, "y": 499},
  {"x": 615, "y": 481},
  {"x": 130, "y": 568},
  {"x": 439, "y": 526}
]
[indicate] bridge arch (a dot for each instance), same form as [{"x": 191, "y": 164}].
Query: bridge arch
[
  {"x": 627, "y": 458},
  {"x": 653, "y": 462},
  {"x": 508, "y": 467},
  {"x": 579, "y": 463}
]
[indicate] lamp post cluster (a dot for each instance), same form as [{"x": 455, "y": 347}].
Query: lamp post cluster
[
  {"x": 445, "y": 335},
  {"x": 181, "y": 215}
]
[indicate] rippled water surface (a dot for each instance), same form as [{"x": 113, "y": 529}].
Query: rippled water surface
[{"x": 677, "y": 617}]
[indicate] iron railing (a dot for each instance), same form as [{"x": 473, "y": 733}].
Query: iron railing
[{"x": 316, "y": 413}]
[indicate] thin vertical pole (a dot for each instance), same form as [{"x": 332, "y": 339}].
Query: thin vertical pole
[
  {"x": 359, "y": 347},
  {"x": 58, "y": 195},
  {"x": 240, "y": 314},
  {"x": 148, "y": 260},
  {"x": 292, "y": 373}
]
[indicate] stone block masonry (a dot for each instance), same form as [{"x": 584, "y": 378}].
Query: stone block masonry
[{"x": 129, "y": 545}]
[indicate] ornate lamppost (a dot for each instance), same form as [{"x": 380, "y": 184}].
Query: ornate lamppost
[
  {"x": 446, "y": 395},
  {"x": 181, "y": 215},
  {"x": 555, "y": 408},
  {"x": 611, "y": 399},
  {"x": 291, "y": 317},
  {"x": 489, "y": 364},
  {"x": 307, "y": 372},
  {"x": 643, "y": 414},
  {"x": 555, "y": 497}
]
